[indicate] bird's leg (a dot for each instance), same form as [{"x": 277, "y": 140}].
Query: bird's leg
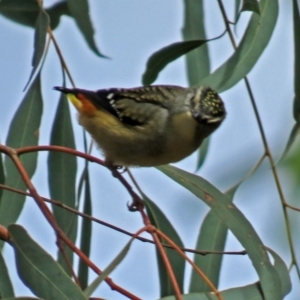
[{"x": 137, "y": 203}]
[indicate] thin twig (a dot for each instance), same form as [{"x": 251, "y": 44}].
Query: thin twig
[
  {"x": 153, "y": 231},
  {"x": 96, "y": 220},
  {"x": 197, "y": 269}
]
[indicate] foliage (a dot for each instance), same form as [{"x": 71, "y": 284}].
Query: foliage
[{"x": 71, "y": 183}]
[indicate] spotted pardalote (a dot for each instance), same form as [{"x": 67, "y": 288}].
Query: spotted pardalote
[{"x": 148, "y": 126}]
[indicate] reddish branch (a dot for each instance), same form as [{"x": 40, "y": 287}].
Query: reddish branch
[{"x": 13, "y": 154}]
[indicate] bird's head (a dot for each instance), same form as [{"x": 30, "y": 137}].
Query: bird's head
[{"x": 207, "y": 108}]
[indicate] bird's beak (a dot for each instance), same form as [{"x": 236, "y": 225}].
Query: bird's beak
[
  {"x": 75, "y": 101},
  {"x": 208, "y": 119},
  {"x": 214, "y": 120}
]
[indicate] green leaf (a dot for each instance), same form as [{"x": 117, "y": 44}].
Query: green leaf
[
  {"x": 25, "y": 12},
  {"x": 296, "y": 21},
  {"x": 164, "y": 56},
  {"x": 79, "y": 9},
  {"x": 202, "y": 153},
  {"x": 236, "y": 222},
  {"x": 56, "y": 11},
  {"x": 296, "y": 105},
  {"x": 6, "y": 288},
  {"x": 292, "y": 138},
  {"x": 252, "y": 291},
  {"x": 86, "y": 233},
  {"x": 282, "y": 272},
  {"x": 40, "y": 34},
  {"x": 23, "y": 131},
  {"x": 251, "y": 5},
  {"x": 2, "y": 174},
  {"x": 39, "y": 271},
  {"x": 21, "y": 298},
  {"x": 159, "y": 220},
  {"x": 237, "y": 10},
  {"x": 292, "y": 161},
  {"x": 197, "y": 61},
  {"x": 212, "y": 236},
  {"x": 255, "y": 40},
  {"x": 92, "y": 287},
  {"x": 62, "y": 169},
  {"x": 247, "y": 292}
]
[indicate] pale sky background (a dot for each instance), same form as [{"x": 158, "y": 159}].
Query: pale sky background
[{"x": 129, "y": 32}]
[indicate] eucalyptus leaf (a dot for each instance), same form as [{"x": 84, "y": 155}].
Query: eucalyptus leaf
[
  {"x": 119, "y": 258},
  {"x": 23, "y": 131},
  {"x": 6, "y": 288},
  {"x": 62, "y": 170},
  {"x": 39, "y": 271},
  {"x": 233, "y": 218},
  {"x": 86, "y": 233},
  {"x": 197, "y": 60},
  {"x": 296, "y": 21},
  {"x": 40, "y": 34},
  {"x": 251, "y": 5},
  {"x": 25, "y": 12},
  {"x": 160, "y": 221},
  {"x": 79, "y": 9},
  {"x": 252, "y": 45}
]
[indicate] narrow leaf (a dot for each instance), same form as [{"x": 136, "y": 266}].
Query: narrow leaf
[
  {"x": 251, "y": 5},
  {"x": 21, "y": 298},
  {"x": 86, "y": 234},
  {"x": 282, "y": 272},
  {"x": 247, "y": 292},
  {"x": 40, "y": 34},
  {"x": 56, "y": 11},
  {"x": 296, "y": 105},
  {"x": 92, "y": 287},
  {"x": 197, "y": 61},
  {"x": 159, "y": 220},
  {"x": 62, "y": 173},
  {"x": 39, "y": 271},
  {"x": 292, "y": 162},
  {"x": 164, "y": 56},
  {"x": 6, "y": 288},
  {"x": 202, "y": 153},
  {"x": 236, "y": 222},
  {"x": 292, "y": 138},
  {"x": 2, "y": 174},
  {"x": 212, "y": 236},
  {"x": 23, "y": 131},
  {"x": 79, "y": 9},
  {"x": 296, "y": 21},
  {"x": 25, "y": 12},
  {"x": 237, "y": 10},
  {"x": 255, "y": 40}
]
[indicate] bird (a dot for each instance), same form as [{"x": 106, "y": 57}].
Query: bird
[{"x": 147, "y": 126}]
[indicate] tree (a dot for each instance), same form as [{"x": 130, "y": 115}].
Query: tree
[{"x": 228, "y": 47}]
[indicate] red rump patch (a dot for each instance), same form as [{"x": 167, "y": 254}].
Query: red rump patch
[{"x": 87, "y": 106}]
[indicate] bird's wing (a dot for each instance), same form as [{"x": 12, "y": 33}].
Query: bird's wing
[
  {"x": 132, "y": 106},
  {"x": 135, "y": 106}
]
